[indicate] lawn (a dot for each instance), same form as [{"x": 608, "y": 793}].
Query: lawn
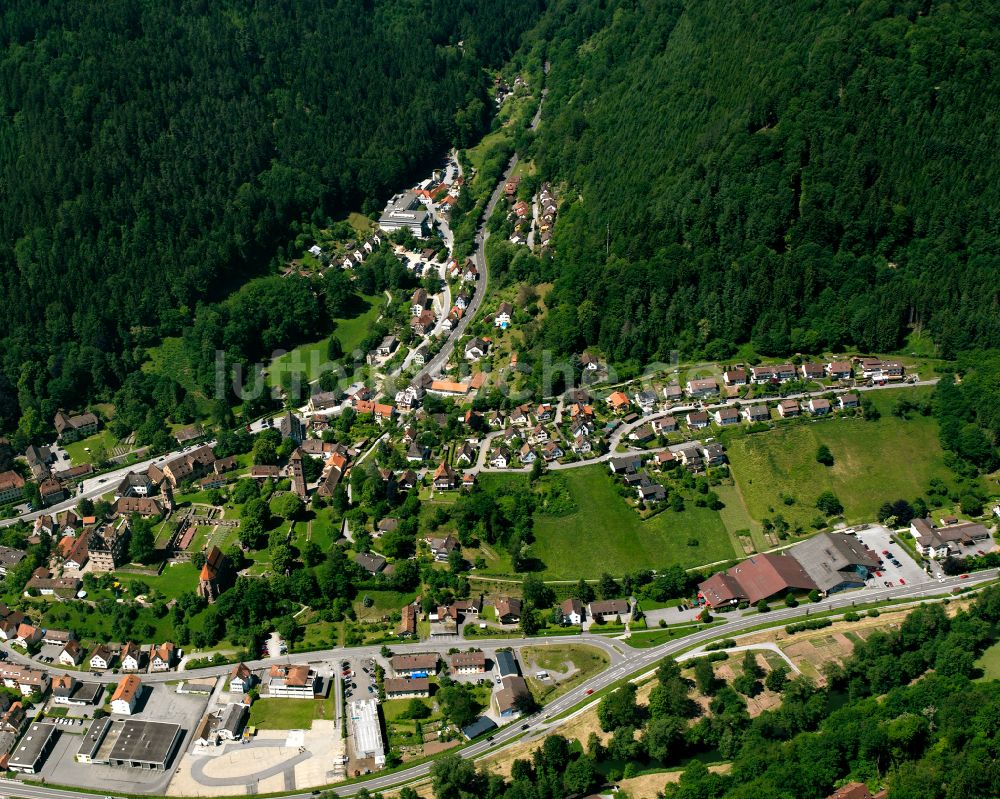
[
  {"x": 588, "y": 661},
  {"x": 173, "y": 580},
  {"x": 324, "y": 529},
  {"x": 289, "y": 714},
  {"x": 604, "y": 534},
  {"x": 989, "y": 662},
  {"x": 384, "y": 603},
  {"x": 310, "y": 359},
  {"x": 874, "y": 462},
  {"x": 102, "y": 439}
]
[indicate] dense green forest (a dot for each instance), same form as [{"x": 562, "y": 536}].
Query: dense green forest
[
  {"x": 155, "y": 154},
  {"x": 799, "y": 175}
]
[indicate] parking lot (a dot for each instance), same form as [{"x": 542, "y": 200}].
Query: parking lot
[
  {"x": 358, "y": 676},
  {"x": 878, "y": 539},
  {"x": 162, "y": 704}
]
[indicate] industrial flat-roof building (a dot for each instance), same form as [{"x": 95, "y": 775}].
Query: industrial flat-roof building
[
  {"x": 367, "y": 731},
  {"x": 33, "y": 748},
  {"x": 404, "y": 212},
  {"x": 148, "y": 745},
  {"x": 87, "y": 753}
]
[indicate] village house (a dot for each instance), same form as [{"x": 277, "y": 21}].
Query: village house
[
  {"x": 500, "y": 457},
  {"x": 646, "y": 400},
  {"x": 51, "y": 491},
  {"x": 71, "y": 654},
  {"x": 387, "y": 347},
  {"x": 508, "y": 610},
  {"x": 618, "y": 401},
  {"x": 610, "y": 610},
  {"x": 101, "y": 658},
  {"x": 503, "y": 316},
  {"x": 419, "y": 302},
  {"x": 473, "y": 662},
  {"x": 241, "y": 679},
  {"x": 11, "y": 487},
  {"x": 10, "y": 558},
  {"x": 788, "y": 409},
  {"x": 673, "y": 393},
  {"x": 441, "y": 548},
  {"x": 371, "y": 562},
  {"x": 702, "y": 388},
  {"x": 735, "y": 377},
  {"x": 476, "y": 348},
  {"x": 812, "y": 371},
  {"x": 819, "y": 406},
  {"x": 663, "y": 458},
  {"x": 573, "y": 611},
  {"x": 626, "y": 464},
  {"x": 756, "y": 413},
  {"x": 396, "y": 688},
  {"x": 126, "y": 695},
  {"x": 848, "y": 401},
  {"x": 697, "y": 420},
  {"x": 727, "y": 416},
  {"x": 161, "y": 657},
  {"x": 552, "y": 451},
  {"x": 840, "y": 370},
  {"x": 73, "y": 428},
  {"x": 445, "y": 478},
  {"x": 418, "y": 665},
  {"x": 131, "y": 657},
  {"x": 26, "y": 679}
]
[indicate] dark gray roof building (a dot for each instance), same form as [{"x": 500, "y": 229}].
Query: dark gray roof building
[
  {"x": 506, "y": 663},
  {"x": 835, "y": 561},
  {"x": 31, "y": 752},
  {"x": 481, "y": 725},
  {"x": 145, "y": 744}
]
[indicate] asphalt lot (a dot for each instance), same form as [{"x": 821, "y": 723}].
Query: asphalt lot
[
  {"x": 909, "y": 572},
  {"x": 162, "y": 704}
]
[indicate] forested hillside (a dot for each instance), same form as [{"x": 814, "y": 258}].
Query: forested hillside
[
  {"x": 799, "y": 175},
  {"x": 154, "y": 153}
]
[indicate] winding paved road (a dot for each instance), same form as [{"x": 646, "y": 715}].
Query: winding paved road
[{"x": 626, "y": 662}]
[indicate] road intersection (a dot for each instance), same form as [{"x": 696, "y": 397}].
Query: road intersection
[{"x": 625, "y": 662}]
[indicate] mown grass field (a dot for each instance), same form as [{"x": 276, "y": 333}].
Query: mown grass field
[
  {"x": 989, "y": 662},
  {"x": 887, "y": 459},
  {"x": 604, "y": 534},
  {"x": 101, "y": 440},
  {"x": 289, "y": 714}
]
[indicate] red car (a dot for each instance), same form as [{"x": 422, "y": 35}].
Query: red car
[
  {"x": 878, "y": 574},
  {"x": 589, "y": 691},
  {"x": 902, "y": 581},
  {"x": 963, "y": 577},
  {"x": 885, "y": 551}
]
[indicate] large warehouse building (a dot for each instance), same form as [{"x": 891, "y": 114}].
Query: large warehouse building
[
  {"x": 828, "y": 562},
  {"x": 133, "y": 743},
  {"x": 835, "y": 561}
]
